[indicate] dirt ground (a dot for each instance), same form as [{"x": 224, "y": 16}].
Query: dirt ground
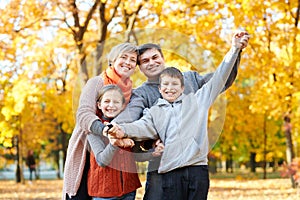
[{"x": 271, "y": 189}]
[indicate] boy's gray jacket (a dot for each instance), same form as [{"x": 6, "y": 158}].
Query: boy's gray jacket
[{"x": 182, "y": 125}]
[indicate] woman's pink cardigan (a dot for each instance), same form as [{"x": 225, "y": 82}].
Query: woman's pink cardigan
[{"x": 76, "y": 154}]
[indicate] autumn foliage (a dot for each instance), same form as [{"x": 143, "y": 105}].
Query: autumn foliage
[
  {"x": 50, "y": 48},
  {"x": 292, "y": 169}
]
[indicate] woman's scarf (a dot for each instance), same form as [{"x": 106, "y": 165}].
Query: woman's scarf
[{"x": 110, "y": 76}]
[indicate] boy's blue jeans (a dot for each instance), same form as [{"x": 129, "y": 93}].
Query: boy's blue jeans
[{"x": 189, "y": 183}]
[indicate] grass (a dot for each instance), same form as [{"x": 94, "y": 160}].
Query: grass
[{"x": 243, "y": 174}]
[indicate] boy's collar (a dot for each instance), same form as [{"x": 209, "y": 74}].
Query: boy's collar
[{"x": 162, "y": 101}]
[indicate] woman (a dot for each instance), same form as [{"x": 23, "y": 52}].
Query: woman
[{"x": 122, "y": 61}]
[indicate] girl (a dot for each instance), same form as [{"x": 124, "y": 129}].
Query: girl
[{"x": 113, "y": 173}]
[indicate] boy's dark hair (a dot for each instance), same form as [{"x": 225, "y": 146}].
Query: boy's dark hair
[
  {"x": 172, "y": 72},
  {"x": 145, "y": 47}
]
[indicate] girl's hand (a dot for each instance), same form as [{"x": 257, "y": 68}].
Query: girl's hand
[{"x": 123, "y": 143}]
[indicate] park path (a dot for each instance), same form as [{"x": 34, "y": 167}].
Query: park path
[
  {"x": 231, "y": 189},
  {"x": 270, "y": 189}
]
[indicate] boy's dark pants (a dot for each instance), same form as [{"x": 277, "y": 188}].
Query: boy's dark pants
[{"x": 189, "y": 183}]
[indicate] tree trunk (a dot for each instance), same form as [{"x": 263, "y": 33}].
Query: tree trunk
[
  {"x": 19, "y": 158},
  {"x": 56, "y": 152},
  {"x": 252, "y": 162},
  {"x": 64, "y": 147},
  {"x": 229, "y": 164},
  {"x": 289, "y": 144},
  {"x": 18, "y": 169},
  {"x": 265, "y": 148}
]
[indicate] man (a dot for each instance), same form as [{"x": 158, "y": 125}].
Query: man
[
  {"x": 30, "y": 162},
  {"x": 152, "y": 63}
]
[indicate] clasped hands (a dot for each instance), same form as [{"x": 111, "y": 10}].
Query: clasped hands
[{"x": 118, "y": 137}]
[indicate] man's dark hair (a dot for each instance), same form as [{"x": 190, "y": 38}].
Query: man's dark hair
[
  {"x": 145, "y": 47},
  {"x": 172, "y": 72}
]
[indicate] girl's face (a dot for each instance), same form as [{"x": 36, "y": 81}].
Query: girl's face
[
  {"x": 111, "y": 104},
  {"x": 125, "y": 64}
]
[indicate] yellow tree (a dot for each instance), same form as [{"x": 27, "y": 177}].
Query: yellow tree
[
  {"x": 273, "y": 63},
  {"x": 275, "y": 39},
  {"x": 272, "y": 25},
  {"x": 88, "y": 25},
  {"x": 26, "y": 69}
]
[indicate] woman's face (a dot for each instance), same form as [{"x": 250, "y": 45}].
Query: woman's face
[{"x": 125, "y": 64}]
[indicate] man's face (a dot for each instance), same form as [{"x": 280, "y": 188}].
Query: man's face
[{"x": 151, "y": 64}]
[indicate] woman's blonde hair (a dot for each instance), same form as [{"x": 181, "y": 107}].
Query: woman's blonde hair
[{"x": 118, "y": 50}]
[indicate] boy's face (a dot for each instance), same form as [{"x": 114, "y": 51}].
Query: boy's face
[
  {"x": 111, "y": 104},
  {"x": 170, "y": 88}
]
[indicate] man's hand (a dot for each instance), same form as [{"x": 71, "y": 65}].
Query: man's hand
[
  {"x": 240, "y": 39},
  {"x": 159, "y": 148}
]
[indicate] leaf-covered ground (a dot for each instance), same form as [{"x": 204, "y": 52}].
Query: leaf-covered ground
[
  {"x": 271, "y": 189},
  {"x": 277, "y": 189}
]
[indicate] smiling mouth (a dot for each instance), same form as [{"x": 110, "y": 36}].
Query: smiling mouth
[
  {"x": 153, "y": 67},
  {"x": 110, "y": 111},
  {"x": 170, "y": 92},
  {"x": 126, "y": 68}
]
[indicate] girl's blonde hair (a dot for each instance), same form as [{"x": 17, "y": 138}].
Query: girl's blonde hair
[{"x": 118, "y": 50}]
